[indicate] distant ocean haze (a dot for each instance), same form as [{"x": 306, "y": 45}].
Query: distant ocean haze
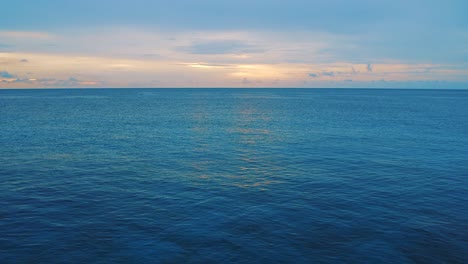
[{"x": 233, "y": 175}]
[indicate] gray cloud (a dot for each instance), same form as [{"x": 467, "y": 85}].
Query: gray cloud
[
  {"x": 18, "y": 80},
  {"x": 49, "y": 82},
  {"x": 5, "y": 74},
  {"x": 331, "y": 74},
  {"x": 313, "y": 75},
  {"x": 221, "y": 47},
  {"x": 24, "y": 60},
  {"x": 247, "y": 81},
  {"x": 369, "y": 67},
  {"x": 70, "y": 82}
]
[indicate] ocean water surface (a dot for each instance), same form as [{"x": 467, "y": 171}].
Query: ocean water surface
[{"x": 233, "y": 176}]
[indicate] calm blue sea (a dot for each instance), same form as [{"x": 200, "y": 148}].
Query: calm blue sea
[{"x": 233, "y": 175}]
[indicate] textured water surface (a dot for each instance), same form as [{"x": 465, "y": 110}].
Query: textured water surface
[{"x": 254, "y": 176}]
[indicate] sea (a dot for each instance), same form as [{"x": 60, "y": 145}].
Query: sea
[{"x": 233, "y": 176}]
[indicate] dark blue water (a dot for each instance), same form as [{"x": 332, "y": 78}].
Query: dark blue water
[{"x": 254, "y": 176}]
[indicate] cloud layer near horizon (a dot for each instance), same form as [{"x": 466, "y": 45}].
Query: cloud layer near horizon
[{"x": 233, "y": 44}]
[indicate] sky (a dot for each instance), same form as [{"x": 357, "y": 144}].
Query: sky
[{"x": 242, "y": 43}]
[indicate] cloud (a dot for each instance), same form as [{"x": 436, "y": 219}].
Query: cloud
[
  {"x": 12, "y": 79},
  {"x": 25, "y": 34},
  {"x": 324, "y": 73},
  {"x": 24, "y": 80},
  {"x": 209, "y": 65},
  {"x": 221, "y": 47},
  {"x": 5, "y": 74},
  {"x": 250, "y": 82},
  {"x": 45, "y": 82},
  {"x": 435, "y": 33},
  {"x": 369, "y": 67},
  {"x": 24, "y": 60},
  {"x": 73, "y": 82},
  {"x": 185, "y": 70}
]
